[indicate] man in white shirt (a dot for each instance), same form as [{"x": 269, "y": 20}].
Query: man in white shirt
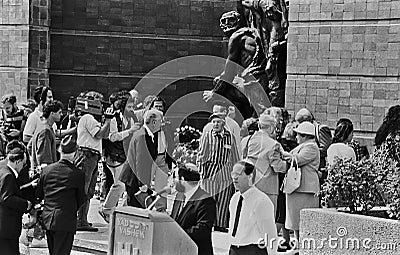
[
  {"x": 41, "y": 96},
  {"x": 90, "y": 133},
  {"x": 230, "y": 124},
  {"x": 252, "y": 215}
]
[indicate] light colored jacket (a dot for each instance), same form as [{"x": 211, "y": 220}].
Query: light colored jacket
[
  {"x": 308, "y": 157},
  {"x": 265, "y": 153}
]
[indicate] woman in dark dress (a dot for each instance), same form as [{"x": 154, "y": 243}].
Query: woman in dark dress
[{"x": 387, "y": 139}]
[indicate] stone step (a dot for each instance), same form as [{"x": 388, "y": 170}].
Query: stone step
[{"x": 91, "y": 247}]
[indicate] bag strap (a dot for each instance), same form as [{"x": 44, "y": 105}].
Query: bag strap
[
  {"x": 317, "y": 136},
  {"x": 119, "y": 122},
  {"x": 296, "y": 161},
  {"x": 246, "y": 150}
]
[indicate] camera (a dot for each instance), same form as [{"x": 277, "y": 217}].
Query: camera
[
  {"x": 7, "y": 126},
  {"x": 92, "y": 104}
]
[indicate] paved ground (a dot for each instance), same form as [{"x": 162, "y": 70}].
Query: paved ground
[{"x": 99, "y": 241}]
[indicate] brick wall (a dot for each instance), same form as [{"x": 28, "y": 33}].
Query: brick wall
[
  {"x": 108, "y": 45},
  {"x": 344, "y": 60},
  {"x": 14, "y": 32},
  {"x": 39, "y": 43}
]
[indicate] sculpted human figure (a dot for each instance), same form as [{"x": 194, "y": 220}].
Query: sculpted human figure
[
  {"x": 244, "y": 78},
  {"x": 270, "y": 18}
]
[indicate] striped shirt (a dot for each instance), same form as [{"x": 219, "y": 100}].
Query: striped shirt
[{"x": 217, "y": 150}]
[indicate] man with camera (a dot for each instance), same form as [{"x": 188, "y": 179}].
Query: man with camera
[
  {"x": 122, "y": 127},
  {"x": 13, "y": 119},
  {"x": 90, "y": 133}
]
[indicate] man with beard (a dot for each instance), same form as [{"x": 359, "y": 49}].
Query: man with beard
[
  {"x": 12, "y": 117},
  {"x": 194, "y": 210},
  {"x": 122, "y": 127},
  {"x": 41, "y": 95}
]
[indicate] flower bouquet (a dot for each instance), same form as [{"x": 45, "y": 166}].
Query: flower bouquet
[{"x": 187, "y": 139}]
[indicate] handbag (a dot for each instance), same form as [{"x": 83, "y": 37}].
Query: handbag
[{"x": 293, "y": 177}]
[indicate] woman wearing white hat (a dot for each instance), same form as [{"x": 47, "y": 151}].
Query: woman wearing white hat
[{"x": 306, "y": 195}]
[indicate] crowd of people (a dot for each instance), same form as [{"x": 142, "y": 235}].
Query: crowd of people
[{"x": 51, "y": 168}]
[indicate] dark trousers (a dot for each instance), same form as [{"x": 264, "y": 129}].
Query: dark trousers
[
  {"x": 108, "y": 182},
  {"x": 251, "y": 249},
  {"x": 59, "y": 242},
  {"x": 88, "y": 162},
  {"x": 9, "y": 246}
]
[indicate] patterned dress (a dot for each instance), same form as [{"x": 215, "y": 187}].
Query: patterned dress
[
  {"x": 390, "y": 148},
  {"x": 218, "y": 153}
]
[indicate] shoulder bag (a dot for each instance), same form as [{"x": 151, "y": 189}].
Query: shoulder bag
[{"x": 293, "y": 177}]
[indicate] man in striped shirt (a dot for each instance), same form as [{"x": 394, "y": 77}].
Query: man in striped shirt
[{"x": 217, "y": 155}]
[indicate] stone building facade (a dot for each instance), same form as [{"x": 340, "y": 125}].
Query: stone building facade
[
  {"x": 343, "y": 55},
  {"x": 344, "y": 60},
  {"x": 105, "y": 45}
]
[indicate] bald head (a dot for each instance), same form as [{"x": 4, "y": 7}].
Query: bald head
[
  {"x": 304, "y": 115},
  {"x": 134, "y": 93}
]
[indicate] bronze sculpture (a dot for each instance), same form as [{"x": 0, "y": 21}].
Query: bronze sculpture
[{"x": 255, "y": 68}]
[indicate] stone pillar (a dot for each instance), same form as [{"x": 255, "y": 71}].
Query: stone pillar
[
  {"x": 24, "y": 46},
  {"x": 39, "y": 44},
  {"x": 14, "y": 44},
  {"x": 344, "y": 60}
]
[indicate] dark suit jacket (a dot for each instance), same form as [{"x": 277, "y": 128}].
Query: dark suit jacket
[
  {"x": 197, "y": 219},
  {"x": 140, "y": 158},
  {"x": 12, "y": 205},
  {"x": 61, "y": 185}
]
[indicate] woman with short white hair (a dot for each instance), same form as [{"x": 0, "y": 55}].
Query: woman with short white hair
[{"x": 308, "y": 157}]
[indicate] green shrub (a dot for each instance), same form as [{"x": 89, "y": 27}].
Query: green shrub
[
  {"x": 387, "y": 166},
  {"x": 354, "y": 185},
  {"x": 362, "y": 185}
]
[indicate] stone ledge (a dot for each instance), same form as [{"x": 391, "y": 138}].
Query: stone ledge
[
  {"x": 352, "y": 234},
  {"x": 90, "y": 247}
]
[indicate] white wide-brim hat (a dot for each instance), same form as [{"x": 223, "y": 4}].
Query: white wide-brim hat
[{"x": 305, "y": 128}]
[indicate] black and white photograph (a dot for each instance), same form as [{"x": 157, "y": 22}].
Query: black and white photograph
[{"x": 199, "y": 127}]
